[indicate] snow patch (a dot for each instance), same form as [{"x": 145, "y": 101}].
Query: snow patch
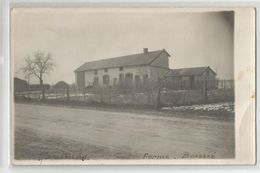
[{"x": 229, "y": 107}]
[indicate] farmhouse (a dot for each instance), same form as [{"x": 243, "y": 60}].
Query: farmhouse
[
  {"x": 130, "y": 70},
  {"x": 191, "y": 78}
]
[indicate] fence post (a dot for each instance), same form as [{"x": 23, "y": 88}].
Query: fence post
[
  {"x": 68, "y": 94},
  {"x": 28, "y": 94},
  {"x": 110, "y": 94},
  {"x": 158, "y": 101},
  {"x": 205, "y": 91},
  {"x": 149, "y": 97},
  {"x": 84, "y": 93},
  {"x": 102, "y": 95},
  {"x": 158, "y": 98}
]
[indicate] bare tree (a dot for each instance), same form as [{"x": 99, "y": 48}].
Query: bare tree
[{"x": 40, "y": 65}]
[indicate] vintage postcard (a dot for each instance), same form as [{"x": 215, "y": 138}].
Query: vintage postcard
[{"x": 98, "y": 85}]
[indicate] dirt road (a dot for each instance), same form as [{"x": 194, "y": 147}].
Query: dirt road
[{"x": 118, "y": 133}]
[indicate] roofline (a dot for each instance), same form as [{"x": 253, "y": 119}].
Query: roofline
[
  {"x": 166, "y": 52},
  {"x": 114, "y": 67},
  {"x": 129, "y": 66},
  {"x": 167, "y": 68},
  {"x": 206, "y": 67},
  {"x": 19, "y": 78},
  {"x": 160, "y": 55},
  {"x": 156, "y": 57},
  {"x": 191, "y": 67},
  {"x": 163, "y": 50},
  {"x": 210, "y": 70}
]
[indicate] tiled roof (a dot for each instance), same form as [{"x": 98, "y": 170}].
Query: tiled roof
[
  {"x": 122, "y": 61},
  {"x": 188, "y": 71}
]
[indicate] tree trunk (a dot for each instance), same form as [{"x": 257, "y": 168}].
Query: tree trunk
[{"x": 42, "y": 87}]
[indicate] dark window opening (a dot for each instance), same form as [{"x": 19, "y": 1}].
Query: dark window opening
[
  {"x": 115, "y": 81},
  {"x": 129, "y": 79},
  {"x": 121, "y": 68},
  {"x": 95, "y": 83},
  {"x": 106, "y": 79},
  {"x": 121, "y": 79},
  {"x": 145, "y": 79},
  {"x": 105, "y": 70},
  {"x": 137, "y": 81}
]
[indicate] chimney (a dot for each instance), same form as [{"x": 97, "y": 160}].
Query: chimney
[{"x": 145, "y": 50}]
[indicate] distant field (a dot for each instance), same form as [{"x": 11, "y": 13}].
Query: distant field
[{"x": 48, "y": 132}]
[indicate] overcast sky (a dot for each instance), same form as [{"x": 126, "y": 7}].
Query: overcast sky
[{"x": 74, "y": 36}]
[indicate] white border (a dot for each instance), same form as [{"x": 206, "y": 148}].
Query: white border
[{"x": 4, "y": 161}]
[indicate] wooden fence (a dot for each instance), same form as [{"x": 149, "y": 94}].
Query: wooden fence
[
  {"x": 154, "y": 94},
  {"x": 195, "y": 85}
]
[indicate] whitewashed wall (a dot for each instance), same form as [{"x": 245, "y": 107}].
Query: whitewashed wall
[{"x": 114, "y": 73}]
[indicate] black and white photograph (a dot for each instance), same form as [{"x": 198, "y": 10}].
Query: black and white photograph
[{"x": 117, "y": 83}]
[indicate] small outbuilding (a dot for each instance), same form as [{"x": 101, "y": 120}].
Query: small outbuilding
[
  {"x": 20, "y": 85},
  {"x": 191, "y": 78},
  {"x": 61, "y": 85}
]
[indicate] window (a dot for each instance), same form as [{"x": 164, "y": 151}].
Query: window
[
  {"x": 95, "y": 83},
  {"x": 95, "y": 72},
  {"x": 137, "y": 81},
  {"x": 145, "y": 79},
  {"x": 115, "y": 81},
  {"x": 137, "y": 78},
  {"x": 129, "y": 79},
  {"x": 121, "y": 68},
  {"x": 105, "y": 70},
  {"x": 106, "y": 79},
  {"x": 121, "y": 79}
]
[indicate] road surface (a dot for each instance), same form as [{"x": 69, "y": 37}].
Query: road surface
[{"x": 137, "y": 136}]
